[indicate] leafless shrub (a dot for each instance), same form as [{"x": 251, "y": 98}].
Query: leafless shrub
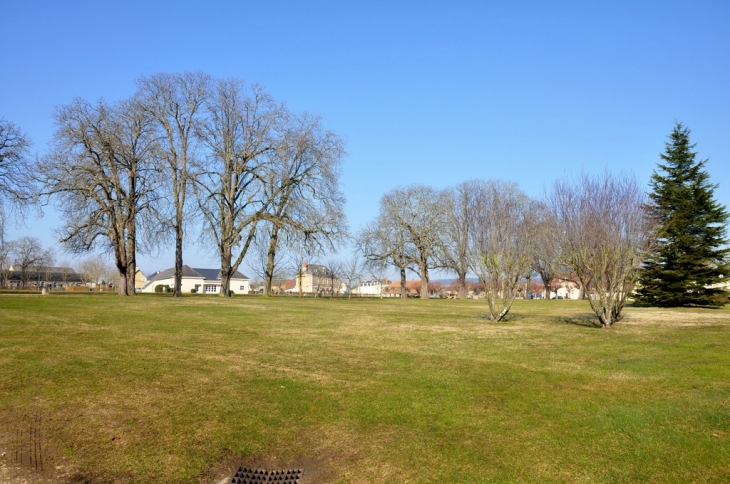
[
  {"x": 605, "y": 233},
  {"x": 499, "y": 248}
]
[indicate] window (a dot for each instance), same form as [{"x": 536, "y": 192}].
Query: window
[
  {"x": 210, "y": 288},
  {"x": 243, "y": 288}
]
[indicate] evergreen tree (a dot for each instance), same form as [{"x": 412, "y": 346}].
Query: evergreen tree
[{"x": 691, "y": 253}]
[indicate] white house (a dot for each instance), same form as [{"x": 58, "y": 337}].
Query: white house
[
  {"x": 372, "y": 287},
  {"x": 202, "y": 281},
  {"x": 566, "y": 289}
]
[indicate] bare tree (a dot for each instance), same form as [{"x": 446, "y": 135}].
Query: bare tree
[
  {"x": 298, "y": 269},
  {"x": 546, "y": 239},
  {"x": 409, "y": 232},
  {"x": 500, "y": 253},
  {"x": 174, "y": 101},
  {"x": 44, "y": 265},
  {"x": 241, "y": 131},
  {"x": 305, "y": 202},
  {"x": 267, "y": 266},
  {"x": 101, "y": 173},
  {"x": 64, "y": 267},
  {"x": 93, "y": 269},
  {"x": 14, "y": 169},
  {"x": 459, "y": 208},
  {"x": 351, "y": 269},
  {"x": 418, "y": 210},
  {"x": 605, "y": 233},
  {"x": 26, "y": 254},
  {"x": 382, "y": 243},
  {"x": 332, "y": 269},
  {"x": 7, "y": 249},
  {"x": 378, "y": 271}
]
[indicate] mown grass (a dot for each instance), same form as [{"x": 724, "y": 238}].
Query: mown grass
[{"x": 153, "y": 389}]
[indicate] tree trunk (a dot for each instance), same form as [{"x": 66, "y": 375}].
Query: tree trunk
[
  {"x": 270, "y": 257},
  {"x": 403, "y": 288},
  {"x": 226, "y": 273},
  {"x": 177, "y": 290},
  {"x": 462, "y": 286},
  {"x": 129, "y": 279},
  {"x": 131, "y": 258},
  {"x": 424, "y": 282}
]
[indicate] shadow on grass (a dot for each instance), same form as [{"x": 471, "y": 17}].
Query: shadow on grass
[
  {"x": 587, "y": 321},
  {"x": 509, "y": 318}
]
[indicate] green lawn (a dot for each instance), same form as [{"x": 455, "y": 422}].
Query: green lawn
[{"x": 153, "y": 389}]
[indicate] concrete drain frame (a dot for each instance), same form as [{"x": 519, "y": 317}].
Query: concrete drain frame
[{"x": 244, "y": 475}]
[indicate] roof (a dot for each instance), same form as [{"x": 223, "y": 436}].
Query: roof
[
  {"x": 411, "y": 286},
  {"x": 315, "y": 269},
  {"x": 289, "y": 284},
  {"x": 52, "y": 274},
  {"x": 215, "y": 274}
]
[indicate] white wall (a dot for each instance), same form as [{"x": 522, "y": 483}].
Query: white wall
[{"x": 189, "y": 283}]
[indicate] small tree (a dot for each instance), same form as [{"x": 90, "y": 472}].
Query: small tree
[
  {"x": 383, "y": 243},
  {"x": 378, "y": 270},
  {"x": 332, "y": 270},
  {"x": 27, "y": 253},
  {"x": 93, "y": 269},
  {"x": 298, "y": 270},
  {"x": 691, "y": 257},
  {"x": 499, "y": 249},
  {"x": 605, "y": 232},
  {"x": 351, "y": 269},
  {"x": 546, "y": 260},
  {"x": 7, "y": 248}
]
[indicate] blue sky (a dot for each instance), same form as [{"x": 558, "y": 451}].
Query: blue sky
[{"x": 423, "y": 92}]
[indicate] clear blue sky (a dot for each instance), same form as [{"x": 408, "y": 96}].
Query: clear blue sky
[{"x": 423, "y": 92}]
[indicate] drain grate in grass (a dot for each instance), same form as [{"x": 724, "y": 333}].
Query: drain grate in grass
[{"x": 254, "y": 476}]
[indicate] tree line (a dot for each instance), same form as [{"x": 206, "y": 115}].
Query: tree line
[
  {"x": 130, "y": 175},
  {"x": 186, "y": 148},
  {"x": 604, "y": 230}
]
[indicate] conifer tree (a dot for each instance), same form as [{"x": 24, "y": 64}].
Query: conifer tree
[{"x": 691, "y": 251}]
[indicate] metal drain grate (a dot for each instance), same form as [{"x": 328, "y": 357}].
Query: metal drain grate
[{"x": 253, "y": 476}]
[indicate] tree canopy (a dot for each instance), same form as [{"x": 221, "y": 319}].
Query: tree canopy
[{"x": 691, "y": 257}]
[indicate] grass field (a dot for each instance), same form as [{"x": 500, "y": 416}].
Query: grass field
[{"x": 153, "y": 389}]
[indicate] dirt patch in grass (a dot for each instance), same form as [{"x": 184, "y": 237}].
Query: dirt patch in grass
[
  {"x": 316, "y": 470},
  {"x": 27, "y": 451}
]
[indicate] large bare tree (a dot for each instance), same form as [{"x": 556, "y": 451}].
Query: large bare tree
[
  {"x": 174, "y": 102},
  {"x": 241, "y": 131},
  {"x": 459, "y": 207},
  {"x": 100, "y": 172},
  {"x": 501, "y": 254},
  {"x": 304, "y": 198},
  {"x": 605, "y": 233},
  {"x": 419, "y": 213}
]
